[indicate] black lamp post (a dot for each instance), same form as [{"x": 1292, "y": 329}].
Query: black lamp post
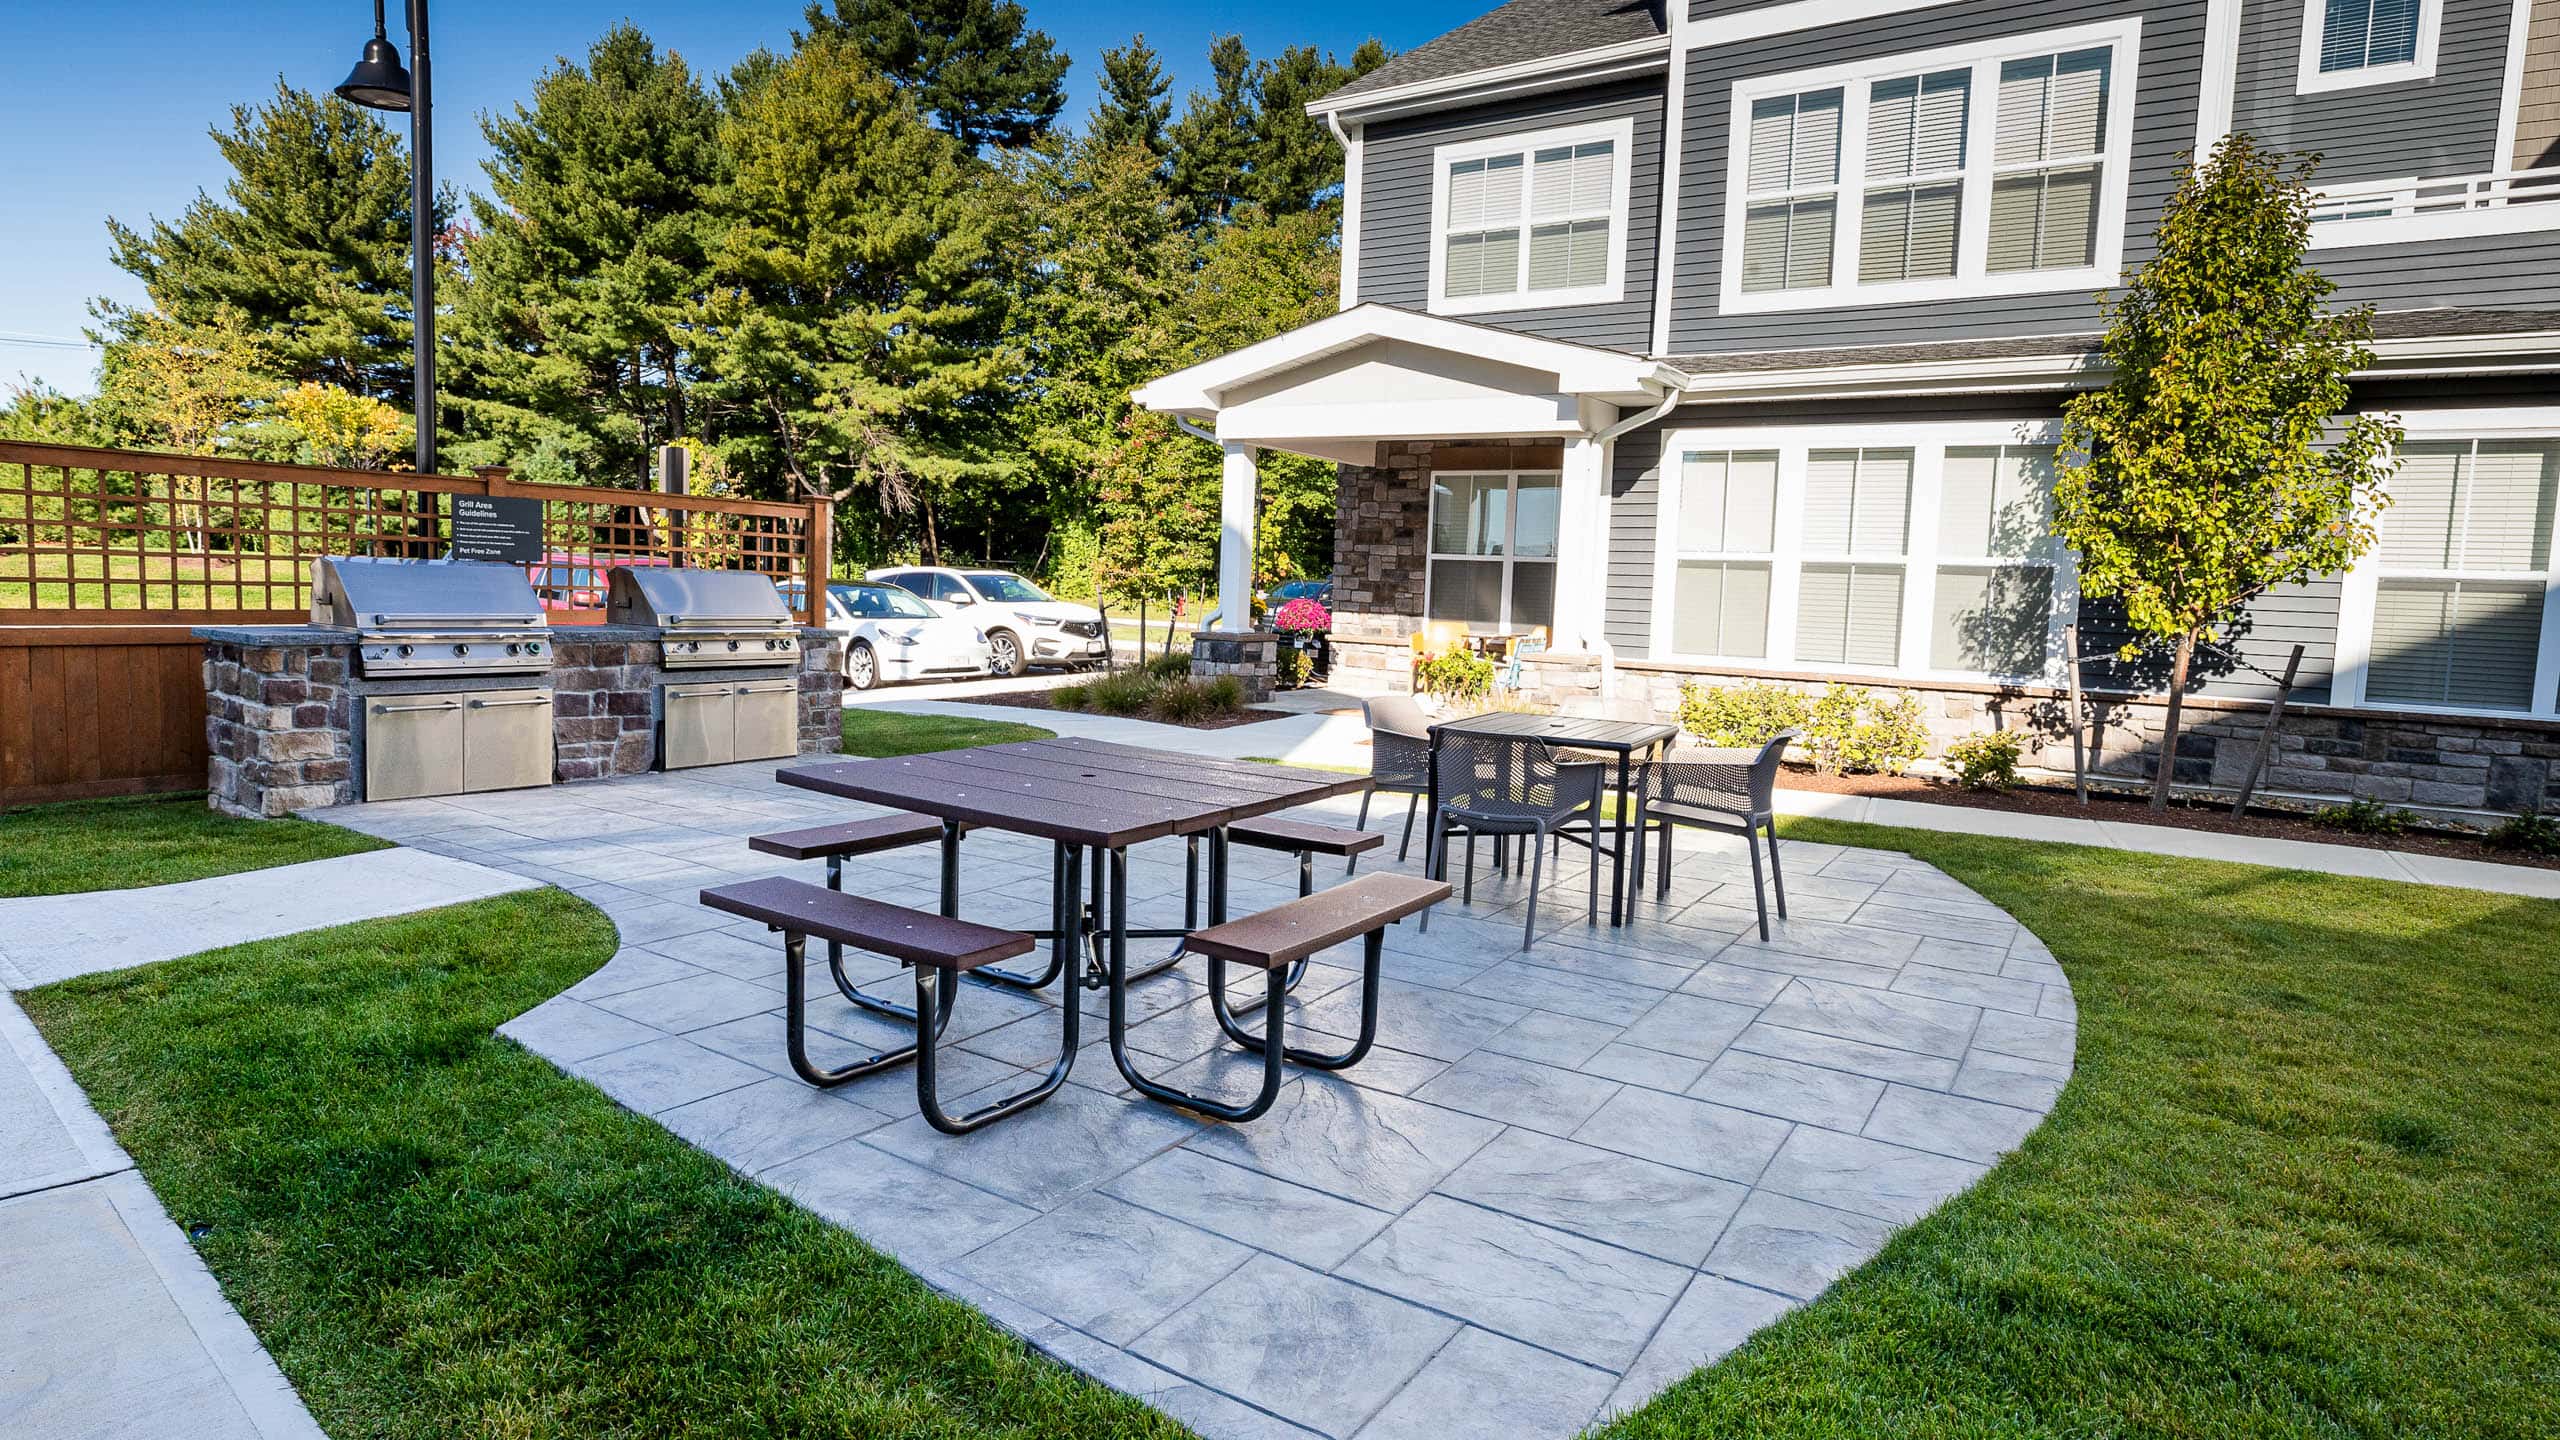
[{"x": 378, "y": 83}]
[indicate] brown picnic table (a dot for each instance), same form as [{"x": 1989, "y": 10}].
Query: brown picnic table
[{"x": 1087, "y": 798}]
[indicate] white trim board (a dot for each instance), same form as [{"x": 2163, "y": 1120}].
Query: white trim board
[
  {"x": 1618, "y": 133},
  {"x": 2310, "y": 79}
]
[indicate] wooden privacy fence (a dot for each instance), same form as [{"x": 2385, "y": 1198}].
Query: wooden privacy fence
[{"x": 108, "y": 557}]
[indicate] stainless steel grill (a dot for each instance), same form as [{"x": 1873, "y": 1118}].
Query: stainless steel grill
[
  {"x": 432, "y": 617},
  {"x": 706, "y": 619}
]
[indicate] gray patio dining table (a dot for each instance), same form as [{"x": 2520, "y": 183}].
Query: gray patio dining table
[
  {"x": 1084, "y": 797},
  {"x": 1625, "y": 739}
]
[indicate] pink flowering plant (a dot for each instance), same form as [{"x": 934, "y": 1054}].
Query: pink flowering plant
[{"x": 1306, "y": 614}]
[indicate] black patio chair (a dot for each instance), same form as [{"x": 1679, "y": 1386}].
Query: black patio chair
[
  {"x": 1732, "y": 790},
  {"x": 1399, "y": 760},
  {"x": 1505, "y": 785}
]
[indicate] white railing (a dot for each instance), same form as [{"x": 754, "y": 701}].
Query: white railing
[{"x": 2461, "y": 195}]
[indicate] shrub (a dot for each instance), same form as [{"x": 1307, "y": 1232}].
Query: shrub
[
  {"x": 1855, "y": 732},
  {"x": 1070, "y": 697},
  {"x": 1739, "y": 715},
  {"x": 1169, "y": 667},
  {"x": 1456, "y": 675},
  {"x": 1986, "y": 761},
  {"x": 1125, "y": 693},
  {"x": 2363, "y": 815},
  {"x": 2527, "y": 835},
  {"x": 1226, "y": 694},
  {"x": 1296, "y": 666},
  {"x": 1178, "y": 702}
]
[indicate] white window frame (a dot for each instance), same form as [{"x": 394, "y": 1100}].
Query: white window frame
[
  {"x": 2363, "y": 580},
  {"x": 2310, "y": 79},
  {"x": 1620, "y": 132},
  {"x": 1509, "y": 559},
  {"x": 1928, "y": 442},
  {"x": 1973, "y": 277}
]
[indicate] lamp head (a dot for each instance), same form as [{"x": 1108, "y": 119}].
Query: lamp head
[{"x": 378, "y": 82}]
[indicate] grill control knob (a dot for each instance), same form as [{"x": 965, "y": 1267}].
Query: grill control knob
[
  {"x": 461, "y": 649},
  {"x": 406, "y": 652},
  {"x": 733, "y": 644},
  {"x": 514, "y": 649}
]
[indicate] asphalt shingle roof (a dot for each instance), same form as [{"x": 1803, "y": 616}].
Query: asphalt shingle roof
[{"x": 1521, "y": 30}]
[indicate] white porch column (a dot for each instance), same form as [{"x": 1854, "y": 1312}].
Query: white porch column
[
  {"x": 1236, "y": 486},
  {"x": 1581, "y": 544}
]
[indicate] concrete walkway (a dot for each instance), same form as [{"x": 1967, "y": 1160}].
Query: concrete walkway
[
  {"x": 46, "y": 938},
  {"x": 109, "y": 1323},
  {"x": 1343, "y": 740}
]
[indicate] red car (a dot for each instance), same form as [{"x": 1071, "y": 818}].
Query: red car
[{"x": 577, "y": 582}]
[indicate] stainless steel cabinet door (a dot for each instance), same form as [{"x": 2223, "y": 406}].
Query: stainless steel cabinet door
[
  {"x": 700, "y": 727},
  {"x": 412, "y": 746},
  {"x": 506, "y": 739},
  {"x": 768, "y": 724}
]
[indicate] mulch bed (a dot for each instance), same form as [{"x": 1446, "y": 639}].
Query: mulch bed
[
  {"x": 1039, "y": 700},
  {"x": 2126, "y": 809}
]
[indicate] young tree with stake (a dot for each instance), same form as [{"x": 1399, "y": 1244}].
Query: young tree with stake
[{"x": 2220, "y": 461}]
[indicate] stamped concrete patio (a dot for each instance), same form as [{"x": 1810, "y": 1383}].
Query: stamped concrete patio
[{"x": 1564, "y": 1180}]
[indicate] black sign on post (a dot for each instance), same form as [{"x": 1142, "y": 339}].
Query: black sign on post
[{"x": 504, "y": 528}]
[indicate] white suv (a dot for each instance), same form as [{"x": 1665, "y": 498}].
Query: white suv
[{"x": 1024, "y": 625}]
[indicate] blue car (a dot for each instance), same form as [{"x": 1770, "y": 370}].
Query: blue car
[{"x": 1320, "y": 591}]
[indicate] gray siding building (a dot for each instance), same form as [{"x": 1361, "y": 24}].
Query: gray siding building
[{"x": 1728, "y": 342}]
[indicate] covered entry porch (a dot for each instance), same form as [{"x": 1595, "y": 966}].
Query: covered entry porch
[{"x": 1475, "y": 473}]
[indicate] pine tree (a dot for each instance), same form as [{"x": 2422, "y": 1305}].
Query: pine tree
[
  {"x": 1133, "y": 108},
  {"x": 1297, "y": 164},
  {"x": 2216, "y": 464},
  {"x": 309, "y": 245},
  {"x": 860, "y": 284},
  {"x": 975, "y": 66},
  {"x": 1213, "y": 141},
  {"x": 590, "y": 261}
]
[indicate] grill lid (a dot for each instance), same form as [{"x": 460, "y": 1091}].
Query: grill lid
[
  {"x": 675, "y": 599},
  {"x": 361, "y": 592}
]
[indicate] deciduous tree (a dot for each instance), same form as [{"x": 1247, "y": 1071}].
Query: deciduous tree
[{"x": 2221, "y": 460}]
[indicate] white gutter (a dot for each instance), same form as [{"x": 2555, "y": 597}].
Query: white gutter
[{"x": 1670, "y": 401}]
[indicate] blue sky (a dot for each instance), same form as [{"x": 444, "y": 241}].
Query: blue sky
[{"x": 104, "y": 104}]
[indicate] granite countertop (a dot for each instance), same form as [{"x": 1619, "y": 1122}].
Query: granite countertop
[{"x": 275, "y": 636}]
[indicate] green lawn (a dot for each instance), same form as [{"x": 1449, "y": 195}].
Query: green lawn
[
  {"x": 438, "y": 1234},
  {"x": 872, "y": 733},
  {"x": 150, "y": 840},
  {"x": 2306, "y": 1181}
]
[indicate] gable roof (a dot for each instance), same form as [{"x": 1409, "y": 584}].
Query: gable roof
[{"x": 1522, "y": 31}]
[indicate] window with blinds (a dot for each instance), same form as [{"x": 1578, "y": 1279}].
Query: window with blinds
[
  {"x": 1915, "y": 139},
  {"x": 1856, "y": 529},
  {"x": 2048, "y": 161},
  {"x": 1493, "y": 549},
  {"x": 1727, "y": 513},
  {"x": 2464, "y": 560},
  {"x": 2361, "y": 34},
  {"x": 1793, "y": 182},
  {"x": 1992, "y": 603},
  {"x": 1887, "y": 177},
  {"x": 1532, "y": 224}
]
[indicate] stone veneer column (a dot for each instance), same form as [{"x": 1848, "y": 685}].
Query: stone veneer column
[
  {"x": 821, "y": 693},
  {"x": 603, "y": 701},
  {"x": 276, "y": 724},
  {"x": 1251, "y": 656}
]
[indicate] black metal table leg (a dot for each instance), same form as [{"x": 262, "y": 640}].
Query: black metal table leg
[
  {"x": 928, "y": 1097},
  {"x": 795, "y": 991},
  {"x": 835, "y": 949},
  {"x": 1618, "y": 860},
  {"x": 1271, "y": 1004}
]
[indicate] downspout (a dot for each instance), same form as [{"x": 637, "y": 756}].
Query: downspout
[
  {"x": 1670, "y": 401},
  {"x": 1186, "y": 427},
  {"x": 1348, "y": 285}
]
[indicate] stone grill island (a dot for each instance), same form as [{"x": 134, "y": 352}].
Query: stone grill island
[{"x": 302, "y": 717}]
